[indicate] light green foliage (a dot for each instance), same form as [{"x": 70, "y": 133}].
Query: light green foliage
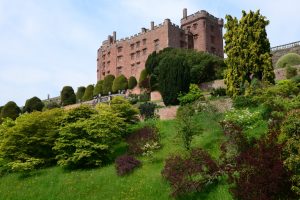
[
  {"x": 290, "y": 72},
  {"x": 248, "y": 52},
  {"x": 67, "y": 96},
  {"x": 81, "y": 112},
  {"x": 88, "y": 142},
  {"x": 125, "y": 110},
  {"x": 10, "y": 110},
  {"x": 290, "y": 59},
  {"x": 107, "y": 84},
  {"x": 193, "y": 95},
  {"x": 80, "y": 93},
  {"x": 27, "y": 143},
  {"x": 120, "y": 83},
  {"x": 98, "y": 88},
  {"x": 244, "y": 118},
  {"x": 88, "y": 93},
  {"x": 33, "y": 104},
  {"x": 132, "y": 82}
]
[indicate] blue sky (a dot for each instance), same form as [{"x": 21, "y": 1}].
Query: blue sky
[{"x": 47, "y": 44}]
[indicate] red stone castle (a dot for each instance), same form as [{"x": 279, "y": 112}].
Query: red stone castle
[{"x": 200, "y": 31}]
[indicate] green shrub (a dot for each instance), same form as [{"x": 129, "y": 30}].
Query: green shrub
[
  {"x": 290, "y": 72},
  {"x": 88, "y": 93},
  {"x": 67, "y": 96},
  {"x": 143, "y": 77},
  {"x": 120, "y": 83},
  {"x": 133, "y": 98},
  {"x": 125, "y": 110},
  {"x": 80, "y": 93},
  {"x": 80, "y": 113},
  {"x": 218, "y": 92},
  {"x": 33, "y": 104},
  {"x": 290, "y": 59},
  {"x": 296, "y": 79},
  {"x": 132, "y": 82},
  {"x": 98, "y": 88},
  {"x": 147, "y": 110},
  {"x": 51, "y": 105},
  {"x": 10, "y": 110},
  {"x": 193, "y": 95},
  {"x": 88, "y": 143},
  {"x": 27, "y": 144},
  {"x": 107, "y": 84},
  {"x": 144, "y": 97},
  {"x": 243, "y": 102}
]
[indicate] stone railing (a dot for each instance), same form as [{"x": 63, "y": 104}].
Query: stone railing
[{"x": 286, "y": 46}]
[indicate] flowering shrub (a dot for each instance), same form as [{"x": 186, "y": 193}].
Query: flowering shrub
[
  {"x": 126, "y": 164},
  {"x": 243, "y": 118},
  {"x": 149, "y": 148},
  {"x": 190, "y": 174}
]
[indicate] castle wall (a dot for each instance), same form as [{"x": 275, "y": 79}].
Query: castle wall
[{"x": 279, "y": 51}]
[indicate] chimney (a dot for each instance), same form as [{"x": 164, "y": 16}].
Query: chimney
[
  {"x": 184, "y": 13},
  {"x": 152, "y": 25},
  {"x": 143, "y": 30},
  {"x": 114, "y": 36}
]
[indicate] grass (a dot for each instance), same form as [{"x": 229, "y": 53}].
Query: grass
[{"x": 144, "y": 183}]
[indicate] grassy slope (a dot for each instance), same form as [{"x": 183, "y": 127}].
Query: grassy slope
[{"x": 145, "y": 183}]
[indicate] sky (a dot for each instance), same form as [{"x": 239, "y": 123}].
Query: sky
[{"x": 48, "y": 44}]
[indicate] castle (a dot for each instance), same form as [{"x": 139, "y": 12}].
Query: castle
[{"x": 200, "y": 31}]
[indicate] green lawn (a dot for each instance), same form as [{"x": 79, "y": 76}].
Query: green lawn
[{"x": 103, "y": 183}]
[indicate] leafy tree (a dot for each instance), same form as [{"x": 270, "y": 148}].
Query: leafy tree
[
  {"x": 107, "y": 84},
  {"x": 120, "y": 83},
  {"x": 248, "y": 52},
  {"x": 98, "y": 88},
  {"x": 174, "y": 77},
  {"x": 33, "y": 104},
  {"x": 10, "y": 110},
  {"x": 67, "y": 96},
  {"x": 80, "y": 93},
  {"x": 27, "y": 143},
  {"x": 88, "y": 94},
  {"x": 132, "y": 82}
]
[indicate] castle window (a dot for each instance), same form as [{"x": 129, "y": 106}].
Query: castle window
[
  {"x": 144, "y": 41},
  {"x": 212, "y": 28},
  {"x": 132, "y": 56},
  {"x": 120, "y": 49},
  {"x": 138, "y": 44},
  {"x": 103, "y": 57},
  {"x": 212, "y": 39},
  {"x": 119, "y": 58},
  {"x": 138, "y": 54},
  {"x": 195, "y": 26},
  {"x": 108, "y": 54},
  {"x": 156, "y": 44},
  {"x": 108, "y": 63},
  {"x": 97, "y": 59},
  {"x": 132, "y": 46},
  {"x": 144, "y": 51}
]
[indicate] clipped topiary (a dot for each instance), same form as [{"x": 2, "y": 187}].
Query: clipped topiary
[
  {"x": 120, "y": 83},
  {"x": 132, "y": 82},
  {"x": 107, "y": 84},
  {"x": 80, "y": 93},
  {"x": 10, "y": 110},
  {"x": 290, "y": 59},
  {"x": 67, "y": 96},
  {"x": 143, "y": 78},
  {"x": 88, "y": 94},
  {"x": 33, "y": 104},
  {"x": 98, "y": 88}
]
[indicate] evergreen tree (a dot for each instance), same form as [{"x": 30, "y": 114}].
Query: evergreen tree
[
  {"x": 33, "y": 104},
  {"x": 120, "y": 83},
  {"x": 98, "y": 88},
  {"x": 88, "y": 94},
  {"x": 67, "y": 96},
  {"x": 107, "y": 84},
  {"x": 10, "y": 110},
  {"x": 132, "y": 82},
  {"x": 248, "y": 52},
  {"x": 143, "y": 80},
  {"x": 80, "y": 93}
]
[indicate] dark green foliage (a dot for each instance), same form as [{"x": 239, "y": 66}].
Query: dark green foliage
[
  {"x": 88, "y": 94},
  {"x": 132, "y": 82},
  {"x": 33, "y": 104},
  {"x": 120, "y": 83},
  {"x": 27, "y": 143},
  {"x": 174, "y": 77},
  {"x": 244, "y": 101},
  {"x": 290, "y": 72},
  {"x": 125, "y": 110},
  {"x": 296, "y": 79},
  {"x": 80, "y": 93},
  {"x": 88, "y": 142},
  {"x": 144, "y": 97},
  {"x": 144, "y": 80},
  {"x": 193, "y": 95},
  {"x": 98, "y": 88},
  {"x": 126, "y": 164},
  {"x": 147, "y": 110},
  {"x": 290, "y": 59},
  {"x": 248, "y": 52},
  {"x": 107, "y": 84},
  {"x": 67, "y": 96},
  {"x": 10, "y": 110},
  {"x": 218, "y": 92}
]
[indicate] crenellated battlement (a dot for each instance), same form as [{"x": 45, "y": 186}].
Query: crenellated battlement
[{"x": 198, "y": 15}]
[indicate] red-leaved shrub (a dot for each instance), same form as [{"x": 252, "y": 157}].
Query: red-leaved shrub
[{"x": 126, "y": 164}]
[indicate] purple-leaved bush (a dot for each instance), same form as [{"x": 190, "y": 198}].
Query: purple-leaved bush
[{"x": 126, "y": 164}]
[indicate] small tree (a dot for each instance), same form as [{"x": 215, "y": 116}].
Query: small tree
[
  {"x": 10, "y": 110},
  {"x": 144, "y": 80},
  {"x": 88, "y": 94},
  {"x": 80, "y": 93},
  {"x": 120, "y": 83},
  {"x": 33, "y": 104},
  {"x": 98, "y": 88},
  {"x": 132, "y": 82},
  {"x": 67, "y": 96},
  {"x": 107, "y": 84}
]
